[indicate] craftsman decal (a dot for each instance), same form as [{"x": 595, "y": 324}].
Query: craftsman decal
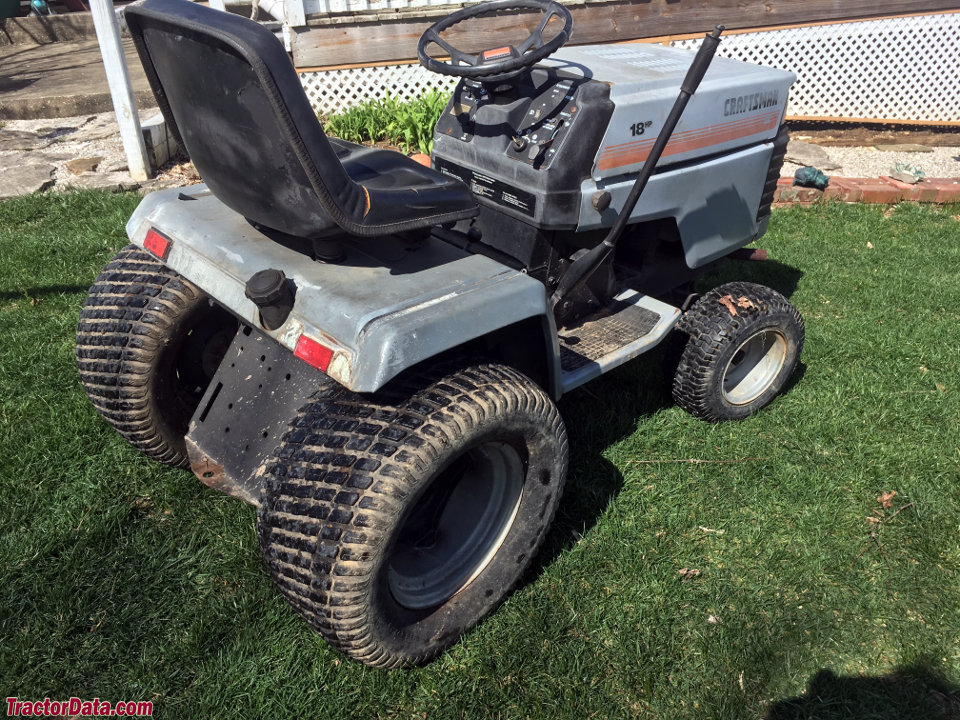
[
  {"x": 623, "y": 155},
  {"x": 749, "y": 103}
]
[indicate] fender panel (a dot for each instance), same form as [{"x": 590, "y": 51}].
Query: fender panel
[
  {"x": 388, "y": 306},
  {"x": 714, "y": 201}
]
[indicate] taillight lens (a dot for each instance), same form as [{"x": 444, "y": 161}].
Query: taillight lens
[
  {"x": 157, "y": 243},
  {"x": 313, "y": 353}
]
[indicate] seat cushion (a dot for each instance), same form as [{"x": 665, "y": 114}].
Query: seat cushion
[{"x": 400, "y": 188}]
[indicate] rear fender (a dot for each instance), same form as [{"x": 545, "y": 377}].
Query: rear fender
[{"x": 386, "y": 308}]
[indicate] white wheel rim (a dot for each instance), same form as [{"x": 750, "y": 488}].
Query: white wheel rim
[
  {"x": 754, "y": 367},
  {"x": 443, "y": 546}
]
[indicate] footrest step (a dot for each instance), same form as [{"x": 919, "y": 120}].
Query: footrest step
[{"x": 629, "y": 326}]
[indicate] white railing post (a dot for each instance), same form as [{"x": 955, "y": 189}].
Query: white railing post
[
  {"x": 296, "y": 16},
  {"x": 121, "y": 91}
]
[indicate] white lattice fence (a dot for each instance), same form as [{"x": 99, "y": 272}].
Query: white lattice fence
[
  {"x": 337, "y": 6},
  {"x": 892, "y": 69},
  {"x": 334, "y": 91}
]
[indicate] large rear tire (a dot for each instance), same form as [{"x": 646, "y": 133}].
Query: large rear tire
[
  {"x": 148, "y": 343},
  {"x": 395, "y": 525},
  {"x": 743, "y": 342}
]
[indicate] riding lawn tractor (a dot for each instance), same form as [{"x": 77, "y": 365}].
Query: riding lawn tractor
[{"x": 370, "y": 350}]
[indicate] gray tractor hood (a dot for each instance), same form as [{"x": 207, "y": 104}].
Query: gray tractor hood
[{"x": 737, "y": 105}]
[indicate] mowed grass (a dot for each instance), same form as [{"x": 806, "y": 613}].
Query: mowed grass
[{"x": 695, "y": 570}]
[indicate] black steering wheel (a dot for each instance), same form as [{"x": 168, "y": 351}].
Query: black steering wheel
[{"x": 499, "y": 63}]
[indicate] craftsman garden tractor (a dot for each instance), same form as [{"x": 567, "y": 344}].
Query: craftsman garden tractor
[{"x": 370, "y": 350}]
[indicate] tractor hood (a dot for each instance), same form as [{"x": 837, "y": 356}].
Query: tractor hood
[{"x": 737, "y": 104}]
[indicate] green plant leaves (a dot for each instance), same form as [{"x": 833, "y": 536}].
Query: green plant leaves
[{"x": 409, "y": 125}]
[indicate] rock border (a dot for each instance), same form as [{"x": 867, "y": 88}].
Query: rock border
[{"x": 882, "y": 190}]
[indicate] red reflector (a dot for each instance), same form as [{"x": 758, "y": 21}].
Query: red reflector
[
  {"x": 157, "y": 244},
  {"x": 313, "y": 353}
]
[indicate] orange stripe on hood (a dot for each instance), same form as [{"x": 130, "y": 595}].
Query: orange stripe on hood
[{"x": 616, "y": 156}]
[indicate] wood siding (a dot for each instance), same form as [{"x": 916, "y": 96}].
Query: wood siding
[{"x": 387, "y": 37}]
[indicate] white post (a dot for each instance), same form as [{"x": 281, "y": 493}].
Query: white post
[
  {"x": 296, "y": 13},
  {"x": 121, "y": 92}
]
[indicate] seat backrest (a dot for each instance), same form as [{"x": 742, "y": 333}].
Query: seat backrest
[{"x": 233, "y": 99}]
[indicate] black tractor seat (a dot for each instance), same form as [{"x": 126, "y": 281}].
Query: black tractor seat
[{"x": 233, "y": 100}]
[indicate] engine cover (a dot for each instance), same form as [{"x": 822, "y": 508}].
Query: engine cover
[
  {"x": 585, "y": 120},
  {"x": 738, "y": 104}
]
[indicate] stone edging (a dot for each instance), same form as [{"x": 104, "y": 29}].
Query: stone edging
[{"x": 882, "y": 190}]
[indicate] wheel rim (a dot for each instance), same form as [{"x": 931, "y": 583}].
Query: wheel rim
[
  {"x": 457, "y": 527},
  {"x": 754, "y": 367}
]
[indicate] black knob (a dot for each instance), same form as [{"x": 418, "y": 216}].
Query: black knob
[
  {"x": 272, "y": 293},
  {"x": 601, "y": 200},
  {"x": 266, "y": 287}
]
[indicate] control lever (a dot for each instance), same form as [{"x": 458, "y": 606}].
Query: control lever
[
  {"x": 587, "y": 264},
  {"x": 535, "y": 151}
]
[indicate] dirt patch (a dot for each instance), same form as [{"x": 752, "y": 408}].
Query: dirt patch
[{"x": 866, "y": 135}]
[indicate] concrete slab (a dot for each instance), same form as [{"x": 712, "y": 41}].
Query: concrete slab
[
  {"x": 809, "y": 155},
  {"x": 905, "y": 147},
  {"x": 32, "y": 30},
  {"x": 112, "y": 181},
  {"x": 19, "y": 140},
  {"x": 25, "y": 179},
  {"x": 61, "y": 80}
]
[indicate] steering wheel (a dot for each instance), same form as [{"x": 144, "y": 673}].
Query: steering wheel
[{"x": 499, "y": 63}]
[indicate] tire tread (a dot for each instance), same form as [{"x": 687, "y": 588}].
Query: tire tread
[
  {"x": 406, "y": 428},
  {"x": 709, "y": 330},
  {"x": 125, "y": 320}
]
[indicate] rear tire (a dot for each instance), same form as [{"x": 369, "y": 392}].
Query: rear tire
[
  {"x": 148, "y": 343},
  {"x": 743, "y": 343},
  {"x": 393, "y": 527}
]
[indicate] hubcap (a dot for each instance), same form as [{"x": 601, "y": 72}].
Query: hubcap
[
  {"x": 457, "y": 526},
  {"x": 754, "y": 367}
]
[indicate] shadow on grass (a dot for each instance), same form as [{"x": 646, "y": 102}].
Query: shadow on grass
[
  {"x": 916, "y": 691},
  {"x": 36, "y": 292},
  {"x": 597, "y": 416}
]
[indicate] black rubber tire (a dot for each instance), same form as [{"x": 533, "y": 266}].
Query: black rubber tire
[
  {"x": 148, "y": 342},
  {"x": 348, "y": 475},
  {"x": 717, "y": 326}
]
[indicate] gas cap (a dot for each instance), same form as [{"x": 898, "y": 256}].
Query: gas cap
[{"x": 271, "y": 292}]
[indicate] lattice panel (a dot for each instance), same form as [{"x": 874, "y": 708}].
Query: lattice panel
[
  {"x": 892, "y": 69},
  {"x": 334, "y": 91},
  {"x": 339, "y": 6}
]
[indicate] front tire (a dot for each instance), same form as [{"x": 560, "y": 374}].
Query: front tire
[
  {"x": 148, "y": 343},
  {"x": 394, "y": 527},
  {"x": 743, "y": 343}
]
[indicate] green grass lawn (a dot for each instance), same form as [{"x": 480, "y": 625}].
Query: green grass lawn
[{"x": 695, "y": 570}]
